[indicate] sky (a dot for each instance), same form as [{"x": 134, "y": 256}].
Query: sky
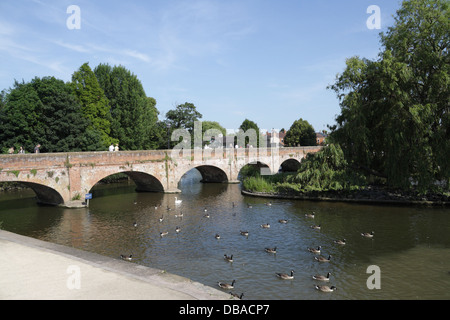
[{"x": 263, "y": 60}]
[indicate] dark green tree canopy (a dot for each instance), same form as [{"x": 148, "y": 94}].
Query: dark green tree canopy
[
  {"x": 300, "y": 133},
  {"x": 395, "y": 114},
  {"x": 244, "y": 129},
  {"x": 94, "y": 104},
  {"x": 45, "y": 111},
  {"x": 133, "y": 114}
]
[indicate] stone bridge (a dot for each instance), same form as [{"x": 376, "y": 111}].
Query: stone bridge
[{"x": 65, "y": 178}]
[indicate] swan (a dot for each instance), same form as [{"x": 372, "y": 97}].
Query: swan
[{"x": 178, "y": 201}]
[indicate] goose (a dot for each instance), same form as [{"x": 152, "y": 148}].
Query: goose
[
  {"x": 237, "y": 296},
  {"x": 310, "y": 215},
  {"x": 317, "y": 227},
  {"x": 322, "y": 278},
  {"x": 178, "y": 201},
  {"x": 217, "y": 236},
  {"x": 205, "y": 209},
  {"x": 128, "y": 258},
  {"x": 341, "y": 242},
  {"x": 161, "y": 219},
  {"x": 269, "y": 204},
  {"x": 156, "y": 206},
  {"x": 224, "y": 285},
  {"x": 282, "y": 221},
  {"x": 228, "y": 258},
  {"x": 169, "y": 208},
  {"x": 249, "y": 206},
  {"x": 177, "y": 229},
  {"x": 162, "y": 234},
  {"x": 271, "y": 250},
  {"x": 367, "y": 234},
  {"x": 244, "y": 233},
  {"x": 286, "y": 276},
  {"x": 326, "y": 288},
  {"x": 322, "y": 259},
  {"x": 207, "y": 215},
  {"x": 316, "y": 251},
  {"x": 265, "y": 226},
  {"x": 135, "y": 224}
]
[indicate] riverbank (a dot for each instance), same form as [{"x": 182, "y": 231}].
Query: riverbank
[
  {"x": 369, "y": 195},
  {"x": 32, "y": 269}
]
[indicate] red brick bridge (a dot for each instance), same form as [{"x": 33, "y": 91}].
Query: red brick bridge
[{"x": 65, "y": 178}]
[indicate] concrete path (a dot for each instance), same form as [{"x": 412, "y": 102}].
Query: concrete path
[{"x": 33, "y": 269}]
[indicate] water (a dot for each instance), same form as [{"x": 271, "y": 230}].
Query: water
[{"x": 411, "y": 245}]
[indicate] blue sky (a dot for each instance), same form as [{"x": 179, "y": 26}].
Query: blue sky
[{"x": 264, "y": 60}]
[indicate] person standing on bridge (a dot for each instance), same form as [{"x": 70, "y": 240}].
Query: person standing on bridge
[
  {"x": 36, "y": 149},
  {"x": 111, "y": 147},
  {"x": 116, "y": 148}
]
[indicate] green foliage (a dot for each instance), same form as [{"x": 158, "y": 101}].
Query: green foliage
[
  {"x": 395, "y": 115},
  {"x": 301, "y": 133},
  {"x": 243, "y": 129},
  {"x": 133, "y": 114},
  {"x": 45, "y": 111},
  {"x": 183, "y": 117},
  {"x": 94, "y": 104}
]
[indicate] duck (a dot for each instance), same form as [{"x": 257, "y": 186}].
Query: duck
[
  {"x": 316, "y": 251},
  {"x": 177, "y": 229},
  {"x": 310, "y": 215},
  {"x": 341, "y": 242},
  {"x": 228, "y": 258},
  {"x": 271, "y": 250},
  {"x": 367, "y": 234},
  {"x": 283, "y": 221},
  {"x": 322, "y": 259},
  {"x": 127, "y": 258},
  {"x": 180, "y": 215},
  {"x": 224, "y": 285},
  {"x": 178, "y": 201},
  {"x": 244, "y": 233},
  {"x": 217, "y": 236},
  {"x": 237, "y": 296},
  {"x": 326, "y": 288},
  {"x": 265, "y": 226},
  {"x": 286, "y": 276},
  {"x": 162, "y": 234},
  {"x": 322, "y": 278},
  {"x": 317, "y": 227}
]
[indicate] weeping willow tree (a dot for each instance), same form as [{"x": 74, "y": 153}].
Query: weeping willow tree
[
  {"x": 395, "y": 111},
  {"x": 327, "y": 170}
]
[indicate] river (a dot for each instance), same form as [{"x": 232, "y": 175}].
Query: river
[{"x": 408, "y": 257}]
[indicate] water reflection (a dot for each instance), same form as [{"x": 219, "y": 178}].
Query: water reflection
[{"x": 411, "y": 244}]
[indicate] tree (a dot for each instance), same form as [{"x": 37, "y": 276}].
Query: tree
[
  {"x": 45, "y": 111},
  {"x": 94, "y": 104},
  {"x": 244, "y": 130},
  {"x": 394, "y": 119},
  {"x": 300, "y": 133},
  {"x": 183, "y": 117},
  {"x": 133, "y": 114}
]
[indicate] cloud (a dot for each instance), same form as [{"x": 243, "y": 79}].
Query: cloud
[{"x": 137, "y": 55}]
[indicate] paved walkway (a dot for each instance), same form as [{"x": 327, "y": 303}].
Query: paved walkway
[{"x": 33, "y": 269}]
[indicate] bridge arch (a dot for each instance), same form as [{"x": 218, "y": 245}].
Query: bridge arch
[
  {"x": 44, "y": 194},
  {"x": 145, "y": 182},
  {"x": 209, "y": 173},
  {"x": 290, "y": 165},
  {"x": 261, "y": 167}
]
